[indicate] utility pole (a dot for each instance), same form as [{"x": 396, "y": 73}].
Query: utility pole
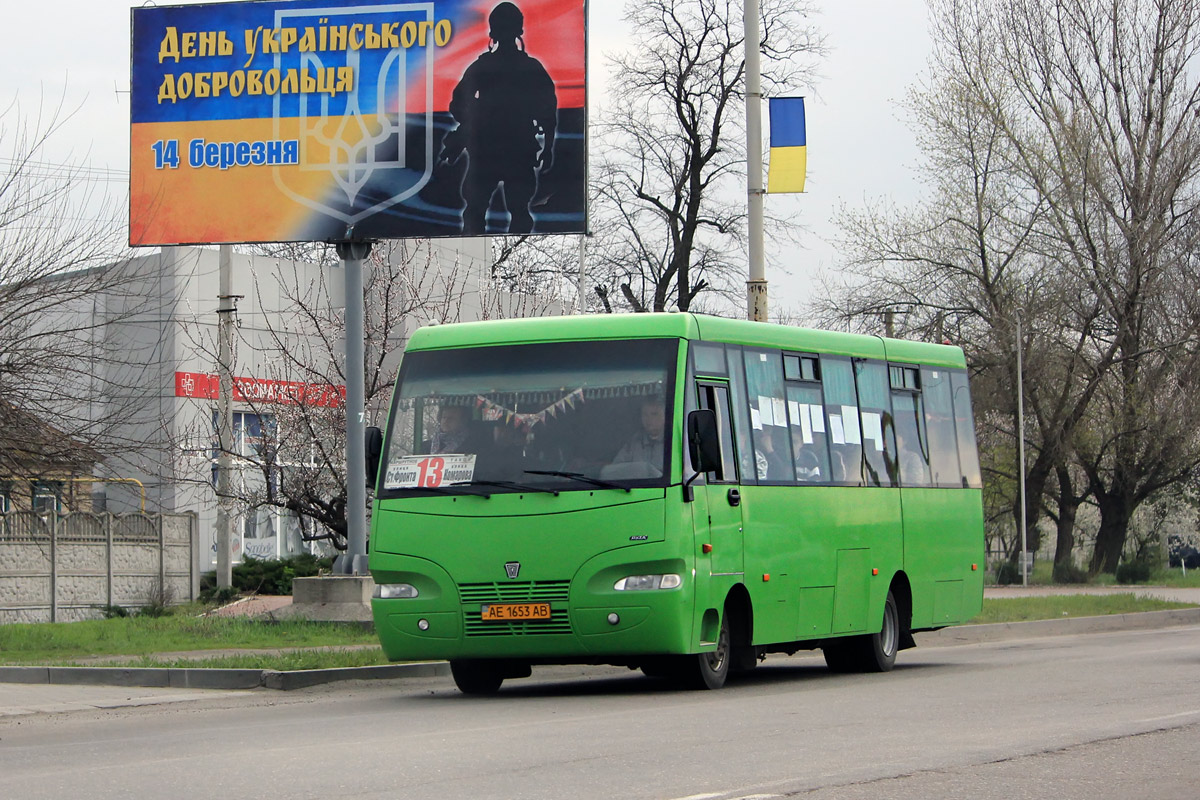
[
  {"x": 1021, "y": 453},
  {"x": 354, "y": 560},
  {"x": 227, "y": 321},
  {"x": 756, "y": 286}
]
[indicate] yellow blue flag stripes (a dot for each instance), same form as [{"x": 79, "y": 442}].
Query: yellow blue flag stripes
[{"x": 789, "y": 159}]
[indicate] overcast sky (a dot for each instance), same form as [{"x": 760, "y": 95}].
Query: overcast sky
[{"x": 857, "y": 146}]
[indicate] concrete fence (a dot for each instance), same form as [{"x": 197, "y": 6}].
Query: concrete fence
[{"x": 68, "y": 567}]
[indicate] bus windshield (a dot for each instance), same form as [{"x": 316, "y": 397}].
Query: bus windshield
[{"x": 532, "y": 417}]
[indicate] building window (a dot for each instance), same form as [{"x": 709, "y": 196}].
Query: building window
[
  {"x": 48, "y": 497},
  {"x": 250, "y": 432}
]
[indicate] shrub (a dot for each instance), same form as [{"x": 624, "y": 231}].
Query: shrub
[
  {"x": 114, "y": 612},
  {"x": 1133, "y": 572},
  {"x": 274, "y": 576},
  {"x": 263, "y": 576},
  {"x": 1067, "y": 572},
  {"x": 211, "y": 594}
]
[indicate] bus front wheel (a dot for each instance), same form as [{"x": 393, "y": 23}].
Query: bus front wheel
[
  {"x": 476, "y": 677},
  {"x": 710, "y": 670}
]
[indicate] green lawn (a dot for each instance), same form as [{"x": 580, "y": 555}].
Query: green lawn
[
  {"x": 1043, "y": 575},
  {"x": 141, "y": 636},
  {"x": 1023, "y": 609}
]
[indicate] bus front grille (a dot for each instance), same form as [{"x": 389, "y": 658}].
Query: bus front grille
[
  {"x": 473, "y": 595},
  {"x": 515, "y": 592},
  {"x": 558, "y": 623}
]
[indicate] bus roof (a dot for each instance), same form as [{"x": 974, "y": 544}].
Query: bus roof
[{"x": 681, "y": 326}]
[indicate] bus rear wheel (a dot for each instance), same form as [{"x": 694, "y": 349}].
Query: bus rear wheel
[
  {"x": 476, "y": 676},
  {"x": 879, "y": 649},
  {"x": 874, "y": 652}
]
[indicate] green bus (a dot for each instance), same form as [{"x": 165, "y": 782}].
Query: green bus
[{"x": 675, "y": 493}]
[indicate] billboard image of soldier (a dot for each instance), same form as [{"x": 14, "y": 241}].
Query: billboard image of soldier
[
  {"x": 507, "y": 114},
  {"x": 327, "y": 120}
]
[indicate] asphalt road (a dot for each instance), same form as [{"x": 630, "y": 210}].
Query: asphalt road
[{"x": 1098, "y": 716}]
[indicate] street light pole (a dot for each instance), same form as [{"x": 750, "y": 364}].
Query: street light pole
[
  {"x": 756, "y": 285},
  {"x": 1021, "y": 453}
]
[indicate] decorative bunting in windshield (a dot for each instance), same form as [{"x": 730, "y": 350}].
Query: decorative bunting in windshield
[{"x": 526, "y": 421}]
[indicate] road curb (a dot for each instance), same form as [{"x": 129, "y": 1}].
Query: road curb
[{"x": 199, "y": 678}]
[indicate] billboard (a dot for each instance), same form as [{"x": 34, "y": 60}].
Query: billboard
[{"x": 326, "y": 120}]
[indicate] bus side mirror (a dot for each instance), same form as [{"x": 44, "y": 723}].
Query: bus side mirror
[
  {"x": 374, "y": 449},
  {"x": 704, "y": 444}
]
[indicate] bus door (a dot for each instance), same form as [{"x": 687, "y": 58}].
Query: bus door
[{"x": 724, "y": 498}]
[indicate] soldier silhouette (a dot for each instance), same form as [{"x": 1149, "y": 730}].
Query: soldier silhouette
[{"x": 507, "y": 113}]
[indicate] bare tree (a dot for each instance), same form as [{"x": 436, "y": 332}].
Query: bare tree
[
  {"x": 293, "y": 460},
  {"x": 1100, "y": 103},
  {"x": 1089, "y": 113},
  {"x": 65, "y": 277},
  {"x": 670, "y": 213},
  {"x": 967, "y": 266}
]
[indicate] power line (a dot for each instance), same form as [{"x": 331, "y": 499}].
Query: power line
[{"x": 46, "y": 170}]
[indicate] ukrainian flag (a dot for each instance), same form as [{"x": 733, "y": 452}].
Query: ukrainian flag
[{"x": 789, "y": 159}]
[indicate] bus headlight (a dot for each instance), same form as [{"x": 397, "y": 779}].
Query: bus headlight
[
  {"x": 637, "y": 583},
  {"x": 390, "y": 591}
]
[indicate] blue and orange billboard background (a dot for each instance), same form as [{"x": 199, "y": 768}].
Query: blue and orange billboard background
[{"x": 325, "y": 121}]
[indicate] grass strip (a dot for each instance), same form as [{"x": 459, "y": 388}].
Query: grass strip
[
  {"x": 318, "y": 645},
  {"x": 1025, "y": 609},
  {"x": 69, "y": 641}
]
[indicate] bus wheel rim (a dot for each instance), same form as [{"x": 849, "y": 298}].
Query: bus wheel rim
[{"x": 890, "y": 635}]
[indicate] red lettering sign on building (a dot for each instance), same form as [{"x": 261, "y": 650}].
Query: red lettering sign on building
[{"x": 260, "y": 390}]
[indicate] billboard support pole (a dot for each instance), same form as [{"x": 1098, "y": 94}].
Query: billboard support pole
[{"x": 354, "y": 560}]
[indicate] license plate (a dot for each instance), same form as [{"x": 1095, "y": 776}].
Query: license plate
[{"x": 501, "y": 612}]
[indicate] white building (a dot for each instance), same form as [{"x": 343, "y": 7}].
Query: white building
[{"x": 156, "y": 358}]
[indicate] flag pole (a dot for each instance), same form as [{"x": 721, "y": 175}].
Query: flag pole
[{"x": 756, "y": 285}]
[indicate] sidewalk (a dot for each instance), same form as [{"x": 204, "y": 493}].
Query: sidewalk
[{"x": 258, "y": 605}]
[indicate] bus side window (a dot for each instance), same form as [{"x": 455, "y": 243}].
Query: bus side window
[
  {"x": 708, "y": 358},
  {"x": 939, "y": 423},
  {"x": 806, "y": 418},
  {"x": 741, "y": 413},
  {"x": 768, "y": 417},
  {"x": 716, "y": 398},
  {"x": 964, "y": 424},
  {"x": 912, "y": 449},
  {"x": 875, "y": 411},
  {"x": 842, "y": 420}
]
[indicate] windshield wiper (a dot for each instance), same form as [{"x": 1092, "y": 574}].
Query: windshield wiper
[
  {"x": 506, "y": 485},
  {"x": 579, "y": 476}
]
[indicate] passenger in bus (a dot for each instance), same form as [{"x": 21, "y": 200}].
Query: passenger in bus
[
  {"x": 808, "y": 468},
  {"x": 914, "y": 471},
  {"x": 769, "y": 458},
  {"x": 453, "y": 434},
  {"x": 644, "y": 450}
]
